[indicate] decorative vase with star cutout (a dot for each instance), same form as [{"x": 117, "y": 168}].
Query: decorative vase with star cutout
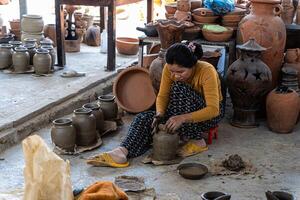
[{"x": 248, "y": 80}]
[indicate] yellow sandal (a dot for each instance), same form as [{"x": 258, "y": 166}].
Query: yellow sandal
[
  {"x": 190, "y": 149},
  {"x": 105, "y": 160}
]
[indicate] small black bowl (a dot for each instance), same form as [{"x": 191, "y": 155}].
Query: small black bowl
[{"x": 192, "y": 171}]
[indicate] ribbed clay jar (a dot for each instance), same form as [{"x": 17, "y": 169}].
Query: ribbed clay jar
[
  {"x": 42, "y": 61},
  {"x": 15, "y": 43},
  {"x": 32, "y": 23},
  {"x": 108, "y": 106},
  {"x": 85, "y": 124},
  {"x": 5, "y": 55},
  {"x": 31, "y": 51},
  {"x": 20, "y": 59},
  {"x": 37, "y": 36},
  {"x": 97, "y": 112},
  {"x": 63, "y": 134},
  {"x": 52, "y": 54},
  {"x": 30, "y": 41}
]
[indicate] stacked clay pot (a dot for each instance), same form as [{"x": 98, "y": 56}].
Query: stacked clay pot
[
  {"x": 42, "y": 61},
  {"x": 50, "y": 32},
  {"x": 282, "y": 109},
  {"x": 288, "y": 11},
  {"x": 292, "y": 59},
  {"x": 15, "y": 28},
  {"x": 81, "y": 25},
  {"x": 233, "y": 18},
  {"x": 85, "y": 124},
  {"x": 170, "y": 10},
  {"x": 203, "y": 16},
  {"x": 97, "y": 112},
  {"x": 20, "y": 59},
  {"x": 5, "y": 55},
  {"x": 108, "y": 106},
  {"x": 32, "y": 27},
  {"x": 183, "y": 12},
  {"x": 63, "y": 134}
]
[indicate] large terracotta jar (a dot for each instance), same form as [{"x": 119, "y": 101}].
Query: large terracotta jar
[
  {"x": 63, "y": 134},
  {"x": 248, "y": 81},
  {"x": 5, "y": 55},
  {"x": 108, "y": 106},
  {"x": 85, "y": 124},
  {"x": 283, "y": 106},
  {"x": 169, "y": 32},
  {"x": 97, "y": 112},
  {"x": 268, "y": 29}
]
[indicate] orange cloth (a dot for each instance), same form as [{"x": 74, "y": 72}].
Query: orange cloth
[
  {"x": 204, "y": 80},
  {"x": 103, "y": 190}
]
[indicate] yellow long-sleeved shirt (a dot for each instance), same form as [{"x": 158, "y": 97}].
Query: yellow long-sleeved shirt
[{"x": 205, "y": 80}]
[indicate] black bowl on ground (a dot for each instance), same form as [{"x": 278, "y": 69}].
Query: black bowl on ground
[{"x": 192, "y": 171}]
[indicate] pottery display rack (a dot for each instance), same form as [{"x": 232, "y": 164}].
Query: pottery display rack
[{"x": 111, "y": 25}]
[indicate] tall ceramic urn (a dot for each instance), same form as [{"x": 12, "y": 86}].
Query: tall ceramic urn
[
  {"x": 267, "y": 28},
  {"x": 249, "y": 80},
  {"x": 169, "y": 32}
]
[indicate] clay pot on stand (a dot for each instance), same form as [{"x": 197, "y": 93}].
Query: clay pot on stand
[
  {"x": 85, "y": 124},
  {"x": 42, "y": 61},
  {"x": 63, "y": 134},
  {"x": 267, "y": 28},
  {"x": 282, "y": 109},
  {"x": 97, "y": 112},
  {"x": 165, "y": 144},
  {"x": 248, "y": 81},
  {"x": 5, "y": 55},
  {"x": 108, "y": 106},
  {"x": 169, "y": 33}
]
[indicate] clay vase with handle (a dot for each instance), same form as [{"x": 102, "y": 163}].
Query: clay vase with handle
[{"x": 267, "y": 28}]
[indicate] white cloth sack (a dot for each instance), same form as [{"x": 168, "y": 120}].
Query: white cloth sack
[{"x": 47, "y": 176}]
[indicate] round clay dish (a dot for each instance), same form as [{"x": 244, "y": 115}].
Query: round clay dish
[
  {"x": 133, "y": 90},
  {"x": 192, "y": 171}
]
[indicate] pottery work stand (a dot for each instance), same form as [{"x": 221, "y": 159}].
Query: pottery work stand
[
  {"x": 111, "y": 25},
  {"x": 149, "y": 159}
]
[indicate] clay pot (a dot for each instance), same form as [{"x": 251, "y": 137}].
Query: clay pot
[
  {"x": 292, "y": 55},
  {"x": 148, "y": 59},
  {"x": 211, "y": 57},
  {"x": 85, "y": 124},
  {"x": 15, "y": 24},
  {"x": 298, "y": 15},
  {"x": 5, "y": 55},
  {"x": 289, "y": 77},
  {"x": 46, "y": 42},
  {"x": 248, "y": 81},
  {"x": 6, "y": 38},
  {"x": 205, "y": 19},
  {"x": 196, "y": 4},
  {"x": 31, "y": 51},
  {"x": 232, "y": 18},
  {"x": 171, "y": 8},
  {"x": 32, "y": 23},
  {"x": 282, "y": 110},
  {"x": 279, "y": 195},
  {"x": 37, "y": 36},
  {"x": 97, "y": 112},
  {"x": 149, "y": 30},
  {"x": 52, "y": 54},
  {"x": 42, "y": 61},
  {"x": 203, "y": 12},
  {"x": 165, "y": 145},
  {"x": 108, "y": 106},
  {"x": 267, "y": 28},
  {"x": 63, "y": 134},
  {"x": 72, "y": 45},
  {"x": 217, "y": 36},
  {"x": 191, "y": 33},
  {"x": 133, "y": 90},
  {"x": 92, "y": 36},
  {"x": 287, "y": 14},
  {"x": 20, "y": 59},
  {"x": 127, "y": 46},
  {"x": 88, "y": 19},
  {"x": 15, "y": 43},
  {"x": 50, "y": 31},
  {"x": 295, "y": 66},
  {"x": 182, "y": 15},
  {"x": 184, "y": 5},
  {"x": 215, "y": 195}
]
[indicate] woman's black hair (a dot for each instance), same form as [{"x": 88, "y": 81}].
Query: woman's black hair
[{"x": 185, "y": 54}]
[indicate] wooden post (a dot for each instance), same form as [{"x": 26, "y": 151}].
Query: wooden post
[
  {"x": 149, "y": 10},
  {"x": 60, "y": 34},
  {"x": 111, "y": 33},
  {"x": 22, "y": 7}
]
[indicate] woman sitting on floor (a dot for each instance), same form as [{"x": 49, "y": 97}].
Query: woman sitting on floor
[{"x": 189, "y": 100}]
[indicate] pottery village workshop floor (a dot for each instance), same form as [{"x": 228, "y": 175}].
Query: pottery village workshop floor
[{"x": 275, "y": 160}]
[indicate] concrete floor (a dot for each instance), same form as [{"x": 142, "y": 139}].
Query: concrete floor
[
  {"x": 275, "y": 156},
  {"x": 22, "y": 94}
]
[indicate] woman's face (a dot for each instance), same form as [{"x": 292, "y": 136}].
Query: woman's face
[{"x": 180, "y": 73}]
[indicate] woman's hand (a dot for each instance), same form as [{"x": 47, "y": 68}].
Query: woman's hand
[
  {"x": 175, "y": 122},
  {"x": 156, "y": 121}
]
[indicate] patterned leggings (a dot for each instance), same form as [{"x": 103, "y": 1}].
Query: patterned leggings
[{"x": 183, "y": 99}]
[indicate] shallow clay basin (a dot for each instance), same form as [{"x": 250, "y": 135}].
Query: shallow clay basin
[
  {"x": 192, "y": 170},
  {"x": 127, "y": 46}
]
